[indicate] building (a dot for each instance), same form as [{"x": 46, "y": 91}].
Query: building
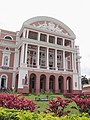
[{"x": 42, "y": 56}]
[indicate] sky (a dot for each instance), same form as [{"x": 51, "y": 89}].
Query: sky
[{"x": 74, "y": 13}]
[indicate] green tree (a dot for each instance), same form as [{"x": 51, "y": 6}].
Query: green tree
[{"x": 84, "y": 80}]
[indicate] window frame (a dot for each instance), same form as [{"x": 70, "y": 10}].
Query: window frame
[{"x": 8, "y": 36}]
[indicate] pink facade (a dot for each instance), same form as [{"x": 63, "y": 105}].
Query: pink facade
[{"x": 41, "y": 57}]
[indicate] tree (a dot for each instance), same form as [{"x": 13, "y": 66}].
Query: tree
[{"x": 84, "y": 80}]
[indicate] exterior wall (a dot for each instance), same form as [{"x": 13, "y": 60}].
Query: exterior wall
[
  {"x": 69, "y": 62},
  {"x": 10, "y": 33}
]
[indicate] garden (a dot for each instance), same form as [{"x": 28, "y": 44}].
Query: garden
[{"x": 43, "y": 107}]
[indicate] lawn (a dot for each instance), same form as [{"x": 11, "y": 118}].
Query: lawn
[{"x": 44, "y": 104}]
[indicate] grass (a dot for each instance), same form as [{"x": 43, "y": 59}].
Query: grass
[{"x": 44, "y": 104}]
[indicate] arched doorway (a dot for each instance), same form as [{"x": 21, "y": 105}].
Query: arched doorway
[
  {"x": 51, "y": 83},
  {"x": 32, "y": 82},
  {"x": 42, "y": 83},
  {"x": 69, "y": 84},
  {"x": 4, "y": 80},
  {"x": 60, "y": 84},
  {"x": 16, "y": 82}
]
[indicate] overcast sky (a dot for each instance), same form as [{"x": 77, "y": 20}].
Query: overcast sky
[{"x": 74, "y": 13}]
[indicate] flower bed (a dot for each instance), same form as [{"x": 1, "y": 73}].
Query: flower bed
[
  {"x": 14, "y": 101},
  {"x": 11, "y": 114}
]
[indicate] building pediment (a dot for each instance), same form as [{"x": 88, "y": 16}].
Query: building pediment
[{"x": 50, "y": 25}]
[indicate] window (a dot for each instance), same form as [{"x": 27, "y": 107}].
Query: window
[
  {"x": 33, "y": 35},
  {"x": 68, "y": 43},
  {"x": 5, "y": 61},
  {"x": 52, "y": 39},
  {"x": 7, "y": 48},
  {"x": 42, "y": 59},
  {"x": 59, "y": 41},
  {"x": 51, "y": 58},
  {"x": 43, "y": 37},
  {"x": 8, "y": 37}
]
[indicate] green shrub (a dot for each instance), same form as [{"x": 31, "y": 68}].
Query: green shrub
[{"x": 12, "y": 114}]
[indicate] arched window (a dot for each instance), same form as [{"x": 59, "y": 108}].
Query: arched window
[
  {"x": 7, "y": 49},
  {"x": 5, "y": 61},
  {"x": 8, "y": 37},
  {"x": 3, "y": 81}
]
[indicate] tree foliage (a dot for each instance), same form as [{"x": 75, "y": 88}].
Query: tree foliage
[{"x": 84, "y": 80}]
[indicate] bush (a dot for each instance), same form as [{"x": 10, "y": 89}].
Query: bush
[
  {"x": 14, "y": 101},
  {"x": 83, "y": 104},
  {"x": 11, "y": 114},
  {"x": 58, "y": 106}
]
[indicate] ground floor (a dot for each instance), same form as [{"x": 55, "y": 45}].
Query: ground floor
[{"x": 35, "y": 82}]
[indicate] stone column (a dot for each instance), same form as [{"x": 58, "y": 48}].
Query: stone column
[
  {"x": 24, "y": 32},
  {"x": 22, "y": 54},
  {"x": 47, "y": 58},
  {"x": 38, "y": 52},
  {"x": 65, "y": 86},
  {"x": 27, "y": 33},
  {"x": 64, "y": 67},
  {"x": 73, "y": 62},
  {"x": 56, "y": 84},
  {"x": 56, "y": 40},
  {"x": 0, "y": 81},
  {"x": 26, "y": 54},
  {"x": 79, "y": 77},
  {"x": 47, "y": 38},
  {"x": 47, "y": 83},
  {"x": 63, "y": 41},
  {"x": 38, "y": 36},
  {"x": 56, "y": 59},
  {"x": 37, "y": 84}
]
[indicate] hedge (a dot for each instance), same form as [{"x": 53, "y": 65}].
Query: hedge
[{"x": 12, "y": 114}]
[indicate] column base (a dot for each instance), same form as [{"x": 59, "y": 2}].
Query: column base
[
  {"x": 37, "y": 91},
  {"x": 56, "y": 91},
  {"x": 25, "y": 89}
]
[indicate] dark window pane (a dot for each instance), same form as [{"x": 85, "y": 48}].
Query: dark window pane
[
  {"x": 59, "y": 41},
  {"x": 43, "y": 37},
  {"x": 51, "y": 39},
  {"x": 33, "y": 35}
]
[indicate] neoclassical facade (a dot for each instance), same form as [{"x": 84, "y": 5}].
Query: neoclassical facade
[{"x": 41, "y": 57}]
